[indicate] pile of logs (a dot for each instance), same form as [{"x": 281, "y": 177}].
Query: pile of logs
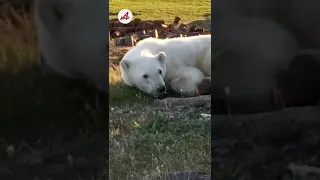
[{"x": 136, "y": 30}]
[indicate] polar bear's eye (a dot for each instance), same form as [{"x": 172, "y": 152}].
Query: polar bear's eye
[
  {"x": 160, "y": 71},
  {"x": 145, "y": 76}
]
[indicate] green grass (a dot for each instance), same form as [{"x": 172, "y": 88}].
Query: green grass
[
  {"x": 144, "y": 141},
  {"x": 151, "y": 145},
  {"x": 163, "y": 9}
]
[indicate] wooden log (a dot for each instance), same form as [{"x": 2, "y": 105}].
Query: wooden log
[
  {"x": 131, "y": 28},
  {"x": 155, "y": 35},
  {"x": 129, "y": 41},
  {"x": 117, "y": 24},
  {"x": 194, "y": 33},
  {"x": 116, "y": 34},
  {"x": 158, "y": 22},
  {"x": 120, "y": 41},
  {"x": 200, "y": 30},
  {"x": 144, "y": 36}
]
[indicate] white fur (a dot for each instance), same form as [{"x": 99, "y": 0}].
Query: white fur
[
  {"x": 73, "y": 38},
  {"x": 183, "y": 61}
]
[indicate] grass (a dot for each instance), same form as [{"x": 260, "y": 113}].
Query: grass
[
  {"x": 145, "y": 142},
  {"x": 188, "y": 10},
  {"x": 152, "y": 145}
]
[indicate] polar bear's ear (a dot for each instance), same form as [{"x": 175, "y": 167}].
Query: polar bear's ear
[
  {"x": 161, "y": 56},
  {"x": 125, "y": 64}
]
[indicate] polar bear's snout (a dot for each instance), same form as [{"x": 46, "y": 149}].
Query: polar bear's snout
[
  {"x": 161, "y": 89},
  {"x": 161, "y": 92}
]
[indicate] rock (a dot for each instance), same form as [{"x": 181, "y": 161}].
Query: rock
[{"x": 197, "y": 101}]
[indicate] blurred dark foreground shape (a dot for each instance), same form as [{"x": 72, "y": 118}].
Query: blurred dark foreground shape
[{"x": 280, "y": 140}]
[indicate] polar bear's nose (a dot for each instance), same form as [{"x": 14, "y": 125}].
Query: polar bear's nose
[{"x": 161, "y": 89}]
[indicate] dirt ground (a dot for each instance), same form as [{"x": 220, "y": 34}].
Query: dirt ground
[{"x": 117, "y": 52}]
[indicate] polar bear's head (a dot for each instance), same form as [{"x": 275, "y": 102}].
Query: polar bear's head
[{"x": 146, "y": 72}]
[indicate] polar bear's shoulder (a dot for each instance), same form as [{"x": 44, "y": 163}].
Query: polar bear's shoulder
[{"x": 150, "y": 41}]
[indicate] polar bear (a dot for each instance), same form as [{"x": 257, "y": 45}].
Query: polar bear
[
  {"x": 248, "y": 53},
  {"x": 73, "y": 38},
  {"x": 155, "y": 65}
]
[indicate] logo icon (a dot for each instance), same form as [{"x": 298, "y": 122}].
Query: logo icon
[{"x": 125, "y": 16}]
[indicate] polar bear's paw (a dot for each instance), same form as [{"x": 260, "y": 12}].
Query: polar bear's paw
[
  {"x": 204, "y": 88},
  {"x": 184, "y": 86}
]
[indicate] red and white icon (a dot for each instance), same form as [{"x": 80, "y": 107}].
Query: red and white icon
[{"x": 125, "y": 16}]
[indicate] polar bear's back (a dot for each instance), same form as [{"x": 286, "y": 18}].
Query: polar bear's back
[
  {"x": 189, "y": 45},
  {"x": 206, "y": 39},
  {"x": 192, "y": 39},
  {"x": 186, "y": 51}
]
